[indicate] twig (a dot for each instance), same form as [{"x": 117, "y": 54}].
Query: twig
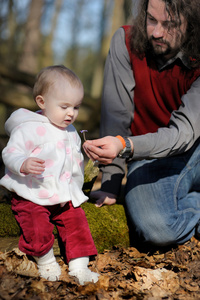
[{"x": 84, "y": 132}]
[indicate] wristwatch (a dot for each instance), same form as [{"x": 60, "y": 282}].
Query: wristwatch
[{"x": 127, "y": 151}]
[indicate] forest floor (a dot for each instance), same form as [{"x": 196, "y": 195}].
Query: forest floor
[{"x": 125, "y": 273}]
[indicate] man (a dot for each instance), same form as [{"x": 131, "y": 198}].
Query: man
[{"x": 151, "y": 102}]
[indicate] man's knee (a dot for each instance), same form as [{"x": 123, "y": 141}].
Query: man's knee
[
  {"x": 157, "y": 235},
  {"x": 159, "y": 238}
]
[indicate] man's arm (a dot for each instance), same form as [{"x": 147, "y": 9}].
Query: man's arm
[
  {"x": 181, "y": 134},
  {"x": 117, "y": 106}
]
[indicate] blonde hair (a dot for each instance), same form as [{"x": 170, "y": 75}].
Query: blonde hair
[{"x": 47, "y": 76}]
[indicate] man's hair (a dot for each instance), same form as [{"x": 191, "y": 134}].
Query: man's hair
[
  {"x": 47, "y": 77},
  {"x": 189, "y": 9}
]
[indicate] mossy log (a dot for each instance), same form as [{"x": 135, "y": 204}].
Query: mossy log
[
  {"x": 107, "y": 224},
  {"x": 91, "y": 173}
]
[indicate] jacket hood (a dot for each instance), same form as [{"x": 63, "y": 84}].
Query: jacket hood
[{"x": 22, "y": 116}]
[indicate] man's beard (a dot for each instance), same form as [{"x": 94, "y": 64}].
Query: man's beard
[{"x": 157, "y": 50}]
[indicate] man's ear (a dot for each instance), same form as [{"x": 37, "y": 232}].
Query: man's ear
[{"x": 40, "y": 101}]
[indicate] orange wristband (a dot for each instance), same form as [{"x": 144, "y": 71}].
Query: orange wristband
[{"x": 121, "y": 140}]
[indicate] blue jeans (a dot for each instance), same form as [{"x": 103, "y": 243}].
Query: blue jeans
[{"x": 162, "y": 198}]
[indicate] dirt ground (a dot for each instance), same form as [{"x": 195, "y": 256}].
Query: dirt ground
[{"x": 124, "y": 274}]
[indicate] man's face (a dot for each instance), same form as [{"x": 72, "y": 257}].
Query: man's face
[{"x": 163, "y": 34}]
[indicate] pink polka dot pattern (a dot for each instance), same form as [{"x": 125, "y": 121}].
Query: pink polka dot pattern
[
  {"x": 11, "y": 149},
  {"x": 29, "y": 145},
  {"x": 65, "y": 176},
  {"x": 36, "y": 150},
  {"x": 68, "y": 150},
  {"x": 60, "y": 144},
  {"x": 62, "y": 177},
  {"x": 41, "y": 131},
  {"x": 43, "y": 194},
  {"x": 54, "y": 199},
  {"x": 49, "y": 163}
]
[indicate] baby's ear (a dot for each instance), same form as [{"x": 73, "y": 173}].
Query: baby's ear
[{"x": 40, "y": 101}]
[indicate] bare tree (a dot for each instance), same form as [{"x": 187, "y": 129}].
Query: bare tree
[
  {"x": 76, "y": 25},
  {"x": 97, "y": 81},
  {"x": 29, "y": 56},
  {"x": 47, "y": 52},
  {"x": 120, "y": 15}
]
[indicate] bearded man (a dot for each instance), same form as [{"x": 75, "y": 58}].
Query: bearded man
[{"x": 150, "y": 120}]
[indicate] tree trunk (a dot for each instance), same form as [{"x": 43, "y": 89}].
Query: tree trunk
[
  {"x": 47, "y": 57},
  {"x": 97, "y": 80},
  {"x": 32, "y": 43},
  {"x": 122, "y": 10}
]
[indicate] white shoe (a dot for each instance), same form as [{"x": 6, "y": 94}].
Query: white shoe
[
  {"x": 50, "y": 271},
  {"x": 85, "y": 275}
]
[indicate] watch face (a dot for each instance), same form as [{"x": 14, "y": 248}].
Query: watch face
[
  {"x": 121, "y": 153},
  {"x": 126, "y": 152}
]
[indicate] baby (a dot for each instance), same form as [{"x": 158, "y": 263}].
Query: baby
[{"x": 44, "y": 172}]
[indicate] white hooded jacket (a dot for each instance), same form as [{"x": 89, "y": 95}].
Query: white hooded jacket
[{"x": 32, "y": 135}]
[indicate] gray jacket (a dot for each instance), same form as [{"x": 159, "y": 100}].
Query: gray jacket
[{"x": 118, "y": 112}]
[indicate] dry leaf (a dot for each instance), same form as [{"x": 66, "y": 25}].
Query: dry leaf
[
  {"x": 16, "y": 261},
  {"x": 148, "y": 278}
]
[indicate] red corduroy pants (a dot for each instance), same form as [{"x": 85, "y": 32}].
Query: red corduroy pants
[{"x": 37, "y": 224}]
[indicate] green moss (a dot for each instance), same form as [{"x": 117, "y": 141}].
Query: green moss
[
  {"x": 108, "y": 225},
  {"x": 90, "y": 175},
  {"x": 8, "y": 224}
]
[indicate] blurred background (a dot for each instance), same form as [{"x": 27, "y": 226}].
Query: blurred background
[{"x": 38, "y": 33}]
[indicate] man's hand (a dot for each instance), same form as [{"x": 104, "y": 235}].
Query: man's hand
[
  {"x": 103, "y": 198},
  {"x": 103, "y": 150},
  {"x": 33, "y": 165}
]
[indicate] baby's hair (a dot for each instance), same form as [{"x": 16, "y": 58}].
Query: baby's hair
[{"x": 47, "y": 76}]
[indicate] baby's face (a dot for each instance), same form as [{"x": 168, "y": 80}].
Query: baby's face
[{"x": 62, "y": 102}]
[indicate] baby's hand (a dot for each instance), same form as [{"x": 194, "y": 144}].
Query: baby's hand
[{"x": 33, "y": 165}]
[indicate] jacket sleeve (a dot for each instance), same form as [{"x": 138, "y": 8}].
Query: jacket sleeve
[
  {"x": 117, "y": 106},
  {"x": 18, "y": 149}
]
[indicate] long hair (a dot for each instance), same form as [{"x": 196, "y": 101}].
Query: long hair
[{"x": 189, "y": 9}]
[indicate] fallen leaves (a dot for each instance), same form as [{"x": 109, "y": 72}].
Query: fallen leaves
[
  {"x": 160, "y": 282},
  {"x": 124, "y": 274},
  {"x": 17, "y": 262}
]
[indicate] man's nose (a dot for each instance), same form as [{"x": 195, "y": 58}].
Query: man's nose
[{"x": 158, "y": 31}]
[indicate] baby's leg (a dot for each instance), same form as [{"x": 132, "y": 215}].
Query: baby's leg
[
  {"x": 48, "y": 267},
  {"x": 37, "y": 235},
  {"x": 78, "y": 267},
  {"x": 76, "y": 237}
]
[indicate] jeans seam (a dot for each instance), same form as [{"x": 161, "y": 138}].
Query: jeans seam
[{"x": 187, "y": 169}]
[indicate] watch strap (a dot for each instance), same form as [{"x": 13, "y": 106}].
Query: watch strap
[
  {"x": 127, "y": 151},
  {"x": 122, "y": 140}
]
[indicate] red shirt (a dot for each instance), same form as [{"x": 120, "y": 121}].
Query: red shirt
[{"x": 157, "y": 93}]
